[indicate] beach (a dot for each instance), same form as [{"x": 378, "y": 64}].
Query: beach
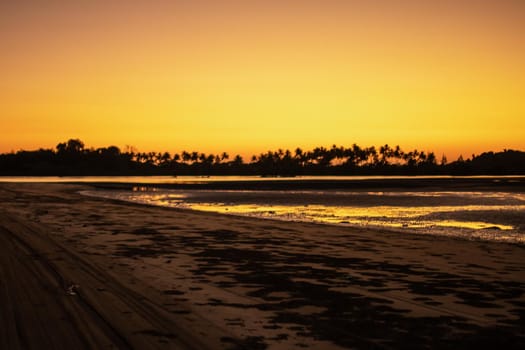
[{"x": 87, "y": 272}]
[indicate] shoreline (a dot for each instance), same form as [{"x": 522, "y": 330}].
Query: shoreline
[
  {"x": 206, "y": 280},
  {"x": 374, "y": 229},
  {"x": 447, "y": 213},
  {"x": 425, "y": 183}
]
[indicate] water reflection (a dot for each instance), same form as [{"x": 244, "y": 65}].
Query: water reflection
[
  {"x": 495, "y": 216},
  {"x": 409, "y": 217}
]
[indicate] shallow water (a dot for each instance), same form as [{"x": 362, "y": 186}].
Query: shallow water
[
  {"x": 164, "y": 179},
  {"x": 494, "y": 216}
]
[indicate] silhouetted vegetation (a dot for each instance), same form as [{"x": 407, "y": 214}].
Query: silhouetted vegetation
[{"x": 73, "y": 158}]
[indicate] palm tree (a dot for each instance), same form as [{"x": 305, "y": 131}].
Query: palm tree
[
  {"x": 398, "y": 154},
  {"x": 186, "y": 156},
  {"x": 238, "y": 160},
  {"x": 194, "y": 156},
  {"x": 411, "y": 158},
  {"x": 360, "y": 154}
]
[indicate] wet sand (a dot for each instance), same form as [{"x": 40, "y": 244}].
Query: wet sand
[{"x": 82, "y": 272}]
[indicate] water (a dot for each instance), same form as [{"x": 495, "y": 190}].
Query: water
[
  {"x": 208, "y": 179},
  {"x": 489, "y": 215},
  {"x": 481, "y": 207}
]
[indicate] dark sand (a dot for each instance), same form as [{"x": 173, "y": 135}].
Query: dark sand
[{"x": 150, "y": 277}]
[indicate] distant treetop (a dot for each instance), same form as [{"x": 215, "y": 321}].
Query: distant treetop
[{"x": 73, "y": 158}]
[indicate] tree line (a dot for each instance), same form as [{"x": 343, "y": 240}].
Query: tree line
[{"x": 73, "y": 158}]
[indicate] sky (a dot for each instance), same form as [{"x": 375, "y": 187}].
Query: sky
[{"x": 249, "y": 76}]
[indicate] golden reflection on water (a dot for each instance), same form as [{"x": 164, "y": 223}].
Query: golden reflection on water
[
  {"x": 412, "y": 217},
  {"x": 445, "y": 220}
]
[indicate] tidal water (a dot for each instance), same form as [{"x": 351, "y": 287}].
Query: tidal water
[
  {"x": 494, "y": 214},
  {"x": 479, "y": 207}
]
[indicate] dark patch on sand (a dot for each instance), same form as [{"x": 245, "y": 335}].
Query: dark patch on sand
[
  {"x": 248, "y": 343},
  {"x": 145, "y": 231},
  {"x": 356, "y": 320}
]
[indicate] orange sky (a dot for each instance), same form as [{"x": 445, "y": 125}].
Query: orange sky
[{"x": 248, "y": 76}]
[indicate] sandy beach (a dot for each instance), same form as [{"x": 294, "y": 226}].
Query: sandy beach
[{"x": 84, "y": 272}]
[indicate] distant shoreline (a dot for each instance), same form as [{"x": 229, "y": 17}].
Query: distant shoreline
[
  {"x": 74, "y": 158},
  {"x": 514, "y": 184},
  {"x": 457, "y": 183}
]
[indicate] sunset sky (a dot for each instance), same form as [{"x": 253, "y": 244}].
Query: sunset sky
[{"x": 248, "y": 76}]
